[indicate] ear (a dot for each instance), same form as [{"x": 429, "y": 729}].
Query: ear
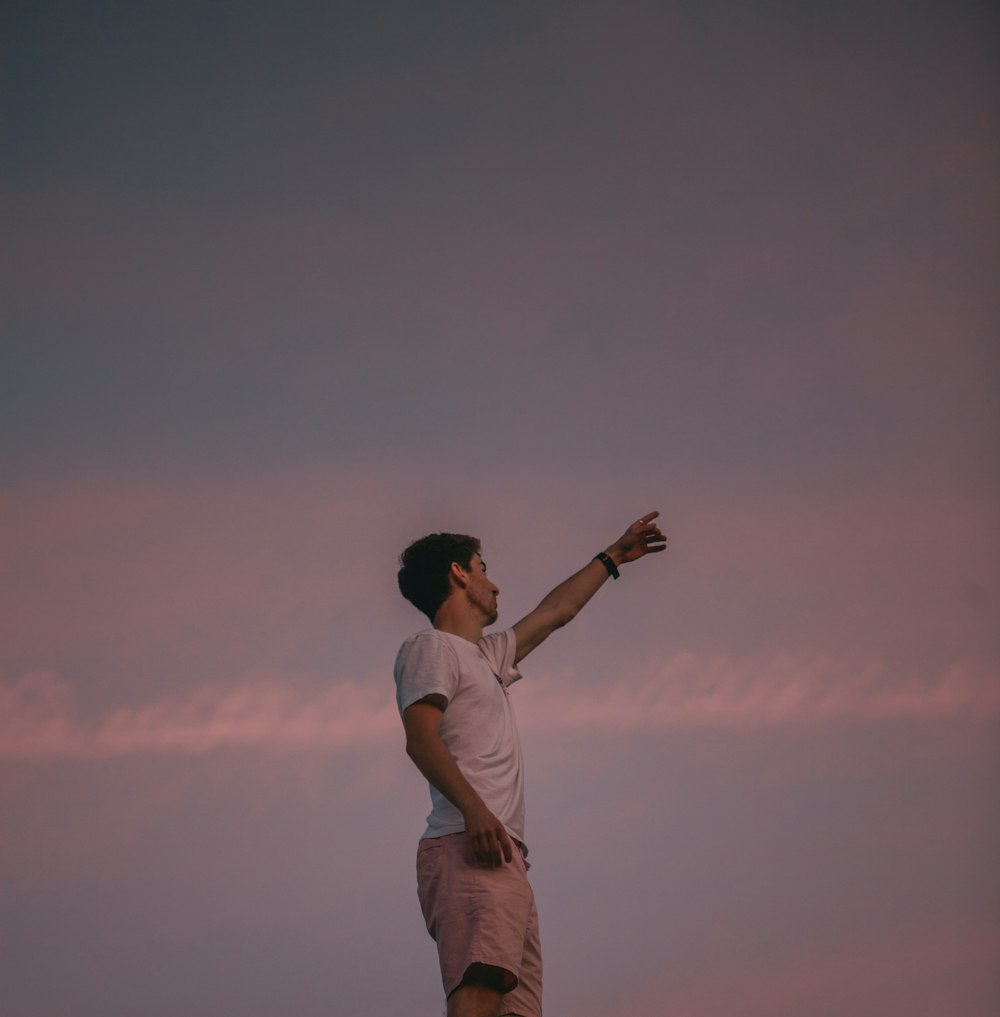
[{"x": 458, "y": 576}]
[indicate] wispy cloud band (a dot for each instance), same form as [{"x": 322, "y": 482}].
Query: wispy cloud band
[
  {"x": 786, "y": 688},
  {"x": 39, "y": 720},
  {"x": 39, "y": 717}
]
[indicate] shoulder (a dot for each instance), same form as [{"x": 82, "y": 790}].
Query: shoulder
[
  {"x": 423, "y": 646},
  {"x": 428, "y": 636},
  {"x": 417, "y": 638},
  {"x": 425, "y": 665}
]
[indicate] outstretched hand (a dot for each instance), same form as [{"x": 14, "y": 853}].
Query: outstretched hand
[
  {"x": 641, "y": 538},
  {"x": 562, "y": 604}
]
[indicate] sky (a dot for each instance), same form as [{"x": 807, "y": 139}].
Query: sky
[{"x": 287, "y": 288}]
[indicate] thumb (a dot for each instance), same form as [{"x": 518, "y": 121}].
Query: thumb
[{"x": 508, "y": 846}]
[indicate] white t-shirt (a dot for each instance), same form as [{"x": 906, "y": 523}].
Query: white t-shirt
[{"x": 478, "y": 726}]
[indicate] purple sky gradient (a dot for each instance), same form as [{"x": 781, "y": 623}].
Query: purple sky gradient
[{"x": 284, "y": 291}]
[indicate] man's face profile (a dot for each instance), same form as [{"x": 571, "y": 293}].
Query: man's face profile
[{"x": 480, "y": 591}]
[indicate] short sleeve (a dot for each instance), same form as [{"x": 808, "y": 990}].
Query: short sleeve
[
  {"x": 500, "y": 648},
  {"x": 425, "y": 665}
]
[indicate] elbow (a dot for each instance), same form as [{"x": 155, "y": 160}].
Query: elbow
[
  {"x": 566, "y": 615},
  {"x": 416, "y": 748}
]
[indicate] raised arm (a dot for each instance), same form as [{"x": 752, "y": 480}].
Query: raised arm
[{"x": 562, "y": 604}]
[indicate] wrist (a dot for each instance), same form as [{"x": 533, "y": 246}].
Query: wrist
[
  {"x": 616, "y": 554},
  {"x": 608, "y": 562}
]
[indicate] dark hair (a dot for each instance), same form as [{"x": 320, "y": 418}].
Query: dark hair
[{"x": 424, "y": 567}]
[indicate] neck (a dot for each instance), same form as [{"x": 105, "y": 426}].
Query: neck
[{"x": 460, "y": 620}]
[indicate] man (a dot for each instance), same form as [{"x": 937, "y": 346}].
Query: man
[{"x": 452, "y": 687}]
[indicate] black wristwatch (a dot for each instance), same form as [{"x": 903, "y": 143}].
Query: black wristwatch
[{"x": 607, "y": 562}]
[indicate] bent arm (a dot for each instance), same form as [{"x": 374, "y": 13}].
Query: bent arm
[
  {"x": 562, "y": 604},
  {"x": 422, "y": 722}
]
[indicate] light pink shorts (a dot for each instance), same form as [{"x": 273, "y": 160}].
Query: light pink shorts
[{"x": 481, "y": 915}]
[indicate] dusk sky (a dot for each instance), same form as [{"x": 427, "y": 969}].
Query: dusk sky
[{"x": 288, "y": 286}]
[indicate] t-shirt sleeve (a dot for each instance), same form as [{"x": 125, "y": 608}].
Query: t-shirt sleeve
[
  {"x": 500, "y": 648},
  {"x": 426, "y": 665}
]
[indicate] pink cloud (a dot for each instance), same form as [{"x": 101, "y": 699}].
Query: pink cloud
[
  {"x": 213, "y": 588},
  {"x": 786, "y": 688},
  {"x": 281, "y": 713},
  {"x": 40, "y": 720}
]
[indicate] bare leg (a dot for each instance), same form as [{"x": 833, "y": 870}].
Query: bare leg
[{"x": 473, "y": 1001}]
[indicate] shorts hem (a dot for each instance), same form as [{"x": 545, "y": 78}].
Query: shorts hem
[{"x": 508, "y": 977}]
